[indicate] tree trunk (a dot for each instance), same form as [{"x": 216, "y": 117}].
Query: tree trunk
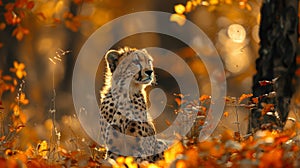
[{"x": 278, "y": 34}]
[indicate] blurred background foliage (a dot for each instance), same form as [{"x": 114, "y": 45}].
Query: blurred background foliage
[{"x": 33, "y": 31}]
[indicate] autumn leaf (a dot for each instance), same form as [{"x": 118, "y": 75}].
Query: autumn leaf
[
  {"x": 19, "y": 32},
  {"x": 267, "y": 108},
  {"x": 179, "y": 9},
  {"x": 272, "y": 158},
  {"x": 73, "y": 24},
  {"x": 172, "y": 152},
  {"x": 178, "y": 101},
  {"x": 214, "y": 2},
  {"x": 188, "y": 6},
  {"x": 228, "y": 2},
  {"x": 23, "y": 100},
  {"x": 2, "y": 26},
  {"x": 43, "y": 149},
  {"x": 20, "y": 3},
  {"x": 226, "y": 114},
  {"x": 19, "y": 69},
  {"x": 244, "y": 96},
  {"x": 11, "y": 18},
  {"x": 9, "y": 7},
  {"x": 227, "y": 135},
  {"x": 168, "y": 122},
  {"x": 192, "y": 157},
  {"x": 205, "y": 146},
  {"x": 204, "y": 97},
  {"x": 255, "y": 100},
  {"x": 181, "y": 164},
  {"x": 30, "y": 5},
  {"x": 178, "y": 18}
]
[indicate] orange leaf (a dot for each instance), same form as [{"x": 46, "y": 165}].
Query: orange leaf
[
  {"x": 227, "y": 135},
  {"x": 7, "y": 78},
  {"x": 204, "y": 97},
  {"x": 192, "y": 157},
  {"x": 205, "y": 145},
  {"x": 10, "y": 6},
  {"x": 30, "y": 5},
  {"x": 244, "y": 96},
  {"x": 267, "y": 108},
  {"x": 168, "y": 122},
  {"x": 178, "y": 101},
  {"x": 19, "y": 32},
  {"x": 226, "y": 114},
  {"x": 214, "y": 2},
  {"x": 181, "y": 164},
  {"x": 2, "y": 26},
  {"x": 255, "y": 100},
  {"x": 20, "y": 3},
  {"x": 73, "y": 24},
  {"x": 188, "y": 6},
  {"x": 271, "y": 159}
]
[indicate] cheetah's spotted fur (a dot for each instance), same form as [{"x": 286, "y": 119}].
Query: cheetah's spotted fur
[{"x": 124, "y": 118}]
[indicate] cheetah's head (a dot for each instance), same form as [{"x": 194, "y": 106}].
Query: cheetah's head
[{"x": 140, "y": 58}]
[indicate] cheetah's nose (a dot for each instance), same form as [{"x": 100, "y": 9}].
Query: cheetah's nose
[{"x": 148, "y": 72}]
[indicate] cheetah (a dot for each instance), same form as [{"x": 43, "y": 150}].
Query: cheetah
[{"x": 125, "y": 124}]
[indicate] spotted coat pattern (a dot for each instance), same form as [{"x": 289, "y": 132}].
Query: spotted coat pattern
[{"x": 125, "y": 125}]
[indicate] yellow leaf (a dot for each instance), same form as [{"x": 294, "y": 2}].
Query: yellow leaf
[
  {"x": 249, "y": 8},
  {"x": 16, "y": 110},
  {"x": 19, "y": 69},
  {"x": 214, "y": 2},
  {"x": 188, "y": 6},
  {"x": 179, "y": 9},
  {"x": 228, "y": 2},
  {"x": 152, "y": 165},
  {"x": 19, "y": 74},
  {"x": 172, "y": 152},
  {"x": 179, "y": 19},
  {"x": 43, "y": 148},
  {"x": 23, "y": 99}
]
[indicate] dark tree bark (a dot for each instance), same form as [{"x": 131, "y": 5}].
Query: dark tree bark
[{"x": 278, "y": 34}]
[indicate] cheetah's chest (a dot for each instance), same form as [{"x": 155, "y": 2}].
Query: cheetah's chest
[{"x": 110, "y": 107}]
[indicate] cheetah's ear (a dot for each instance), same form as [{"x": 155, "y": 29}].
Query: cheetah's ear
[
  {"x": 145, "y": 51},
  {"x": 112, "y": 57}
]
